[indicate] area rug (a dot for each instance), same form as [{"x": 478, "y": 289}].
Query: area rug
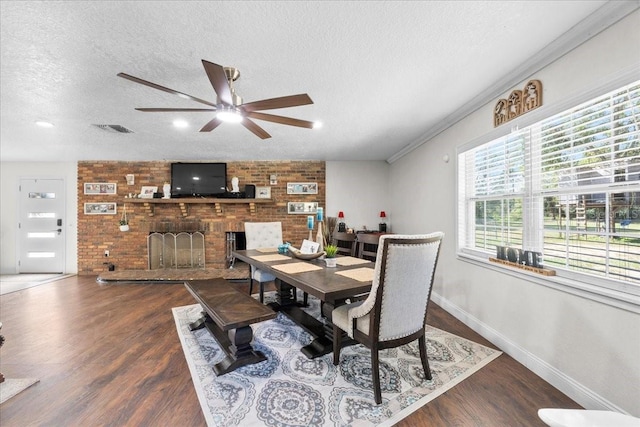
[
  {"x": 288, "y": 389},
  {"x": 12, "y": 386}
]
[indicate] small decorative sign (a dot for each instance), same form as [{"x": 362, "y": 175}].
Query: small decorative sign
[
  {"x": 263, "y": 192},
  {"x": 518, "y": 103},
  {"x": 147, "y": 192}
]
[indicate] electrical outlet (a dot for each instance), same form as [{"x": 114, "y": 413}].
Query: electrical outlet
[{"x": 106, "y": 253}]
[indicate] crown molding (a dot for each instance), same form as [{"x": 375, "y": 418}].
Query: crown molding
[{"x": 603, "y": 18}]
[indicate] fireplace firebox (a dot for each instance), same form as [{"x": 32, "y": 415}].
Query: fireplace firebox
[{"x": 175, "y": 250}]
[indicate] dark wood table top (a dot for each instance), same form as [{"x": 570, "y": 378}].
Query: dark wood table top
[
  {"x": 324, "y": 284},
  {"x": 228, "y": 307}
]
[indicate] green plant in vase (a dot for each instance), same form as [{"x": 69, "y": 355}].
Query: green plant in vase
[
  {"x": 330, "y": 255},
  {"x": 124, "y": 222},
  {"x": 331, "y": 251}
]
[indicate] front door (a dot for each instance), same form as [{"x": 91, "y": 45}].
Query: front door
[{"x": 41, "y": 237}]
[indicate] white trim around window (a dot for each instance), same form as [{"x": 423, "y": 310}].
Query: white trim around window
[{"x": 512, "y": 204}]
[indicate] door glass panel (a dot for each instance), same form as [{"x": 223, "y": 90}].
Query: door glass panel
[
  {"x": 41, "y": 254},
  {"x": 33, "y": 195},
  {"x": 41, "y": 215},
  {"x": 43, "y": 235}
]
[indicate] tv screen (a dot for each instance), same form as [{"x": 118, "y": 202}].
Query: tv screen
[{"x": 198, "y": 179}]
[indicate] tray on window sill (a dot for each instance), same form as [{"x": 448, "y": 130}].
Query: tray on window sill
[{"x": 543, "y": 271}]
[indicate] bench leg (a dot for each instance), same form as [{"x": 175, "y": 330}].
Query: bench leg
[
  {"x": 240, "y": 351},
  {"x": 236, "y": 344}
]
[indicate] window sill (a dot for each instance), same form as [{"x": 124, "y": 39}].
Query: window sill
[{"x": 611, "y": 297}]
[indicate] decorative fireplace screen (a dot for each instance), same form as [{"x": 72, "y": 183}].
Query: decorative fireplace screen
[{"x": 181, "y": 250}]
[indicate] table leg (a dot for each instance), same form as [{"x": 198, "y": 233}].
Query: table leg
[{"x": 322, "y": 332}]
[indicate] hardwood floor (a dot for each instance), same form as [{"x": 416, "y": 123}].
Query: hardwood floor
[{"x": 109, "y": 355}]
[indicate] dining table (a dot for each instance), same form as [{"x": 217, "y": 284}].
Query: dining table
[{"x": 333, "y": 286}]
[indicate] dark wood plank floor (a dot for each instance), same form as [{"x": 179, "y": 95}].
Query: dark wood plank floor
[{"x": 109, "y": 355}]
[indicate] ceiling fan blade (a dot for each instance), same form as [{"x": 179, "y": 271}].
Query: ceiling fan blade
[
  {"x": 165, "y": 89},
  {"x": 211, "y": 125},
  {"x": 168, "y": 110},
  {"x": 279, "y": 119},
  {"x": 253, "y": 127},
  {"x": 219, "y": 81},
  {"x": 282, "y": 102}
]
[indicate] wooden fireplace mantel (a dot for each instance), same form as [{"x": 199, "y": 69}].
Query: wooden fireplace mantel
[{"x": 150, "y": 204}]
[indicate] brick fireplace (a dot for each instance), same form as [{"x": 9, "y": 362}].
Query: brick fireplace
[{"x": 212, "y": 224}]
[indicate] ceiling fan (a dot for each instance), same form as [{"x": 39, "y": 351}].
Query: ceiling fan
[{"x": 229, "y": 106}]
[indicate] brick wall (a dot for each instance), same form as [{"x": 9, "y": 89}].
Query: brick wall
[{"x": 128, "y": 250}]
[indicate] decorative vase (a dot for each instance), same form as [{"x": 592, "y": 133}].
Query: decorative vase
[
  {"x": 166, "y": 189},
  {"x": 331, "y": 262},
  {"x": 124, "y": 227}
]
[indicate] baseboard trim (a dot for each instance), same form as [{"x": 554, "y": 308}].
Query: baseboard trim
[{"x": 575, "y": 390}]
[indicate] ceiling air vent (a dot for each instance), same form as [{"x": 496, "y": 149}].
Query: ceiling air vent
[{"x": 114, "y": 128}]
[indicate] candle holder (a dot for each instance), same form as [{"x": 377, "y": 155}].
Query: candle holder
[
  {"x": 342, "y": 227},
  {"x": 382, "y": 227},
  {"x": 310, "y": 226}
]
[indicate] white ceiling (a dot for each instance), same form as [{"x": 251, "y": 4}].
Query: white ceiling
[{"x": 383, "y": 75}]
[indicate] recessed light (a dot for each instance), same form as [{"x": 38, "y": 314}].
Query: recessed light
[
  {"x": 44, "y": 124},
  {"x": 317, "y": 125},
  {"x": 180, "y": 123}
]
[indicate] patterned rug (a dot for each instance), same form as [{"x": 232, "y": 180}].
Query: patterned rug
[{"x": 290, "y": 390}]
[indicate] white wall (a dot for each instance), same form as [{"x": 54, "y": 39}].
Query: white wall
[
  {"x": 10, "y": 175},
  {"x": 360, "y": 190},
  {"x": 587, "y": 349}
]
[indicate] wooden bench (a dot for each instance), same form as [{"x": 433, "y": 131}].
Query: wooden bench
[{"x": 228, "y": 315}]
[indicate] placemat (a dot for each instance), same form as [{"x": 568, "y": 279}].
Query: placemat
[
  {"x": 267, "y": 250},
  {"x": 362, "y": 274},
  {"x": 271, "y": 257},
  {"x": 349, "y": 260},
  {"x": 296, "y": 267}
]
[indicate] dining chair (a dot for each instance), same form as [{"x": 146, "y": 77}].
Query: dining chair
[
  {"x": 262, "y": 235},
  {"x": 346, "y": 243},
  {"x": 395, "y": 312},
  {"x": 367, "y": 244}
]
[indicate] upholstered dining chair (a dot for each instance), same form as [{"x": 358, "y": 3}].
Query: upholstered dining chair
[
  {"x": 346, "y": 243},
  {"x": 395, "y": 312},
  {"x": 367, "y": 245},
  {"x": 262, "y": 235}
]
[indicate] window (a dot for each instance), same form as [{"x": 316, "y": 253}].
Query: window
[{"x": 567, "y": 186}]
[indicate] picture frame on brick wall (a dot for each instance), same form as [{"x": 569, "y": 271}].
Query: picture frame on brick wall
[
  {"x": 302, "y": 208},
  {"x": 147, "y": 192},
  {"x": 263, "y": 192},
  {"x": 100, "y": 208},
  {"x": 100, "y": 188},
  {"x": 302, "y": 188}
]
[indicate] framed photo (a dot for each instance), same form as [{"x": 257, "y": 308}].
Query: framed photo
[
  {"x": 302, "y": 188},
  {"x": 147, "y": 192},
  {"x": 100, "y": 208},
  {"x": 263, "y": 192},
  {"x": 302, "y": 208},
  {"x": 100, "y": 188}
]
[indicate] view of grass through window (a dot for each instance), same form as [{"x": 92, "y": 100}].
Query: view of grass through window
[{"x": 568, "y": 186}]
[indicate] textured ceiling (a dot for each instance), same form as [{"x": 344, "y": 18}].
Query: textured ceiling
[{"x": 382, "y": 75}]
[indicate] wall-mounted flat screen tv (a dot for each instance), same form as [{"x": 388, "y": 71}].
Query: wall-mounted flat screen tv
[{"x": 198, "y": 179}]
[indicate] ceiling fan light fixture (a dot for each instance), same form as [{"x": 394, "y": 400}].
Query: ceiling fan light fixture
[{"x": 228, "y": 114}]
